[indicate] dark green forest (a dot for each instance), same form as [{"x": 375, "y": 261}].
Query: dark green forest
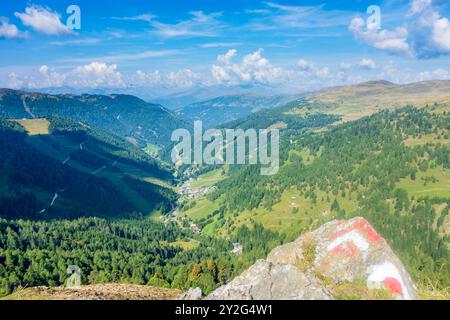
[{"x": 36, "y": 253}]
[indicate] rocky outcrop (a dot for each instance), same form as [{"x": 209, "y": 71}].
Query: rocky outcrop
[
  {"x": 272, "y": 281},
  {"x": 342, "y": 259}
]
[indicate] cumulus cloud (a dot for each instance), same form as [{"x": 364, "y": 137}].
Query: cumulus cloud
[
  {"x": 310, "y": 70},
  {"x": 431, "y": 35},
  {"x": 90, "y": 76},
  {"x": 97, "y": 74},
  {"x": 392, "y": 41},
  {"x": 43, "y": 20},
  {"x": 14, "y": 82},
  {"x": 10, "y": 31},
  {"x": 50, "y": 78},
  {"x": 427, "y": 34},
  {"x": 253, "y": 68},
  {"x": 304, "y": 65},
  {"x": 367, "y": 64}
]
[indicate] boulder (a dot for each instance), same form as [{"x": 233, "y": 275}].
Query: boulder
[
  {"x": 270, "y": 281},
  {"x": 317, "y": 264},
  {"x": 191, "y": 294}
]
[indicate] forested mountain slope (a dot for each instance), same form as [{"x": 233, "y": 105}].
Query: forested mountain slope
[
  {"x": 54, "y": 168},
  {"x": 127, "y": 116},
  {"x": 392, "y": 168}
]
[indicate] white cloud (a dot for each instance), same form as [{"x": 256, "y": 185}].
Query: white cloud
[
  {"x": 367, "y": 64},
  {"x": 43, "y": 20},
  {"x": 309, "y": 70},
  {"x": 96, "y": 75},
  {"x": 257, "y": 11},
  {"x": 10, "y": 31},
  {"x": 431, "y": 35},
  {"x": 227, "y": 57},
  {"x": 180, "y": 79},
  {"x": 345, "y": 65},
  {"x": 288, "y": 17},
  {"x": 220, "y": 44},
  {"x": 147, "y": 17},
  {"x": 254, "y": 68},
  {"x": 76, "y": 42},
  {"x": 391, "y": 41},
  {"x": 14, "y": 82},
  {"x": 90, "y": 76},
  {"x": 323, "y": 72},
  {"x": 304, "y": 65},
  {"x": 426, "y": 36},
  {"x": 199, "y": 25},
  {"x": 125, "y": 56},
  {"x": 184, "y": 78},
  {"x": 417, "y": 6},
  {"x": 438, "y": 74},
  {"x": 50, "y": 78}
]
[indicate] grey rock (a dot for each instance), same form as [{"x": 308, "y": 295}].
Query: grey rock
[
  {"x": 192, "y": 294},
  {"x": 269, "y": 281},
  {"x": 338, "y": 251}
]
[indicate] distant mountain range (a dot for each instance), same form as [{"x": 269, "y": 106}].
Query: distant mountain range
[
  {"x": 126, "y": 116},
  {"x": 220, "y": 110}
]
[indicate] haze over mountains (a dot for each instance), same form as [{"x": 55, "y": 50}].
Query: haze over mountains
[{"x": 220, "y": 110}]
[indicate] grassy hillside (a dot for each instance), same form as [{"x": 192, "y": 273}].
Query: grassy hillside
[
  {"x": 360, "y": 100},
  {"x": 55, "y": 168},
  {"x": 126, "y": 116}
]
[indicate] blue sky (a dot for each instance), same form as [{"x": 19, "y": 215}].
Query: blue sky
[{"x": 156, "y": 48}]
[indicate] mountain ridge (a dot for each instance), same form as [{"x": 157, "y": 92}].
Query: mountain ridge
[{"x": 125, "y": 115}]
